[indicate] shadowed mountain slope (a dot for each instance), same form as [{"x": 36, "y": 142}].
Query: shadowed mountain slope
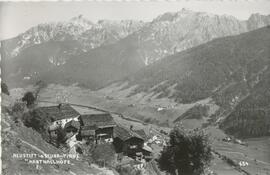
[{"x": 209, "y": 69}]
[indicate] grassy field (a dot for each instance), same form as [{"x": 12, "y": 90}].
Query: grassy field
[
  {"x": 257, "y": 153},
  {"x": 141, "y": 106}
]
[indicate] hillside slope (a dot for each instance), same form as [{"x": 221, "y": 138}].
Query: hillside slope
[
  {"x": 251, "y": 118},
  {"x": 17, "y": 139},
  {"x": 38, "y": 62},
  {"x": 213, "y": 69},
  {"x": 55, "y": 61}
]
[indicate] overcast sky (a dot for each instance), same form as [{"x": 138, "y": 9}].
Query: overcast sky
[{"x": 17, "y": 17}]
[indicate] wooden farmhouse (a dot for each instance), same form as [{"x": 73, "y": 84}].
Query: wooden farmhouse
[
  {"x": 130, "y": 143},
  {"x": 58, "y": 115},
  {"x": 99, "y": 127}
]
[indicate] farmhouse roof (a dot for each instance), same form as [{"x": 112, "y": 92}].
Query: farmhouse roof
[
  {"x": 59, "y": 112},
  {"x": 97, "y": 120},
  {"x": 142, "y": 133},
  {"x": 125, "y": 134}
]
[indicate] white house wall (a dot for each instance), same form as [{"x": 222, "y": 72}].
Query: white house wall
[{"x": 63, "y": 122}]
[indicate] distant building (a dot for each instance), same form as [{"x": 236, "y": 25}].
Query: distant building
[{"x": 99, "y": 127}]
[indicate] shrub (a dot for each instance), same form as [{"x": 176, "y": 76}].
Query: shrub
[
  {"x": 29, "y": 98},
  {"x": 37, "y": 122},
  {"x": 18, "y": 107},
  {"x": 18, "y": 110},
  {"x": 4, "y": 88}
]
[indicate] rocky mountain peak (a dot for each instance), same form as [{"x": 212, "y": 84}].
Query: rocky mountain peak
[
  {"x": 183, "y": 14},
  {"x": 185, "y": 11},
  {"x": 257, "y": 20},
  {"x": 90, "y": 35},
  {"x": 80, "y": 20},
  {"x": 177, "y": 31}
]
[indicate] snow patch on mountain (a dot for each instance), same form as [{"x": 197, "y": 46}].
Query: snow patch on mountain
[{"x": 90, "y": 35}]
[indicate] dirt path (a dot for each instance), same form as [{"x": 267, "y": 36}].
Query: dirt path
[{"x": 32, "y": 146}]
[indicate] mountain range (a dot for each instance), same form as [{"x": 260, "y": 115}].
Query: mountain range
[
  {"x": 95, "y": 54},
  {"x": 90, "y": 35},
  {"x": 174, "y": 32}
]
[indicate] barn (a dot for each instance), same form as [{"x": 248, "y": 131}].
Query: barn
[
  {"x": 98, "y": 126},
  {"x": 128, "y": 142}
]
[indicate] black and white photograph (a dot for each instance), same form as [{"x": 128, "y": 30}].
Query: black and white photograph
[{"x": 135, "y": 87}]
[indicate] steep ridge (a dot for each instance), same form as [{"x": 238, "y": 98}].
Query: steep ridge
[
  {"x": 209, "y": 69},
  {"x": 250, "y": 118}
]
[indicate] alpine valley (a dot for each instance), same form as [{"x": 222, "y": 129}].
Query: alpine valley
[{"x": 186, "y": 68}]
